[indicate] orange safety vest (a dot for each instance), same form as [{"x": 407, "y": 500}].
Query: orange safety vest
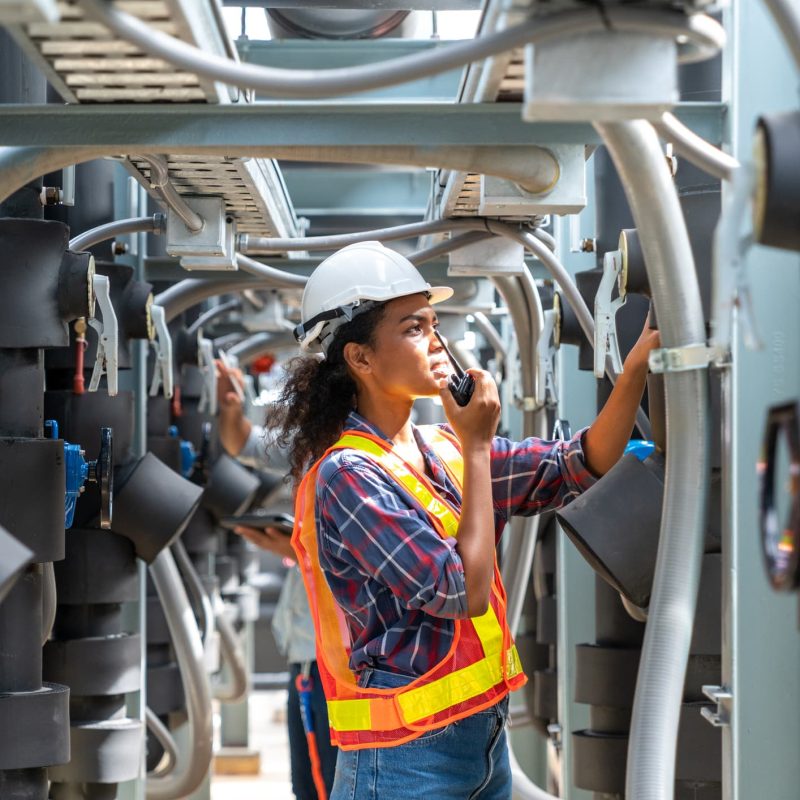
[{"x": 482, "y": 665}]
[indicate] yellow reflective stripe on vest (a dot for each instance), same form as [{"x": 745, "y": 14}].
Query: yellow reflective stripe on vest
[
  {"x": 349, "y": 715},
  {"x": 394, "y": 465}
]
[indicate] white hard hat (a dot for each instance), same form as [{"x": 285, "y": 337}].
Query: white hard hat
[{"x": 349, "y": 279}]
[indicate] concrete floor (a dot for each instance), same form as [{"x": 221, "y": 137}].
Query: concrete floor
[{"x": 268, "y": 735}]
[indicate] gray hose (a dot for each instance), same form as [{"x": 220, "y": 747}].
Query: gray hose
[
  {"x": 160, "y": 181},
  {"x": 49, "y": 600},
  {"x": 651, "y": 194},
  {"x": 275, "y": 277},
  {"x": 787, "y": 18},
  {"x": 695, "y": 149},
  {"x": 191, "y": 291},
  {"x": 213, "y": 313},
  {"x": 701, "y": 38},
  {"x": 256, "y": 244},
  {"x": 164, "y": 738},
  {"x": 491, "y": 334},
  {"x": 192, "y": 764},
  {"x": 233, "y": 656},
  {"x": 419, "y": 257},
  {"x": 249, "y": 349},
  {"x": 121, "y": 227},
  {"x": 196, "y": 590},
  {"x": 571, "y": 294}
]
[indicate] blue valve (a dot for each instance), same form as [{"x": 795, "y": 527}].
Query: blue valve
[
  {"x": 641, "y": 448},
  {"x": 188, "y": 453},
  {"x": 78, "y": 470}
]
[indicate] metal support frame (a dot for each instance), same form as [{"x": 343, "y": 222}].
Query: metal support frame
[
  {"x": 251, "y": 130},
  {"x": 760, "y": 641}
]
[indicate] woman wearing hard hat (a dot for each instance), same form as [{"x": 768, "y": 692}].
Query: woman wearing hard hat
[{"x": 397, "y": 527}]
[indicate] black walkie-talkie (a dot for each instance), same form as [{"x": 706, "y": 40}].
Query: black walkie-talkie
[{"x": 461, "y": 384}]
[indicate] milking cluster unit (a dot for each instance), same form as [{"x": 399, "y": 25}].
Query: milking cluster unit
[{"x": 573, "y": 169}]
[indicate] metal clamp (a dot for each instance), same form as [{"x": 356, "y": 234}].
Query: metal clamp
[
  {"x": 719, "y": 717},
  {"x": 682, "y": 359},
  {"x": 162, "y": 345},
  {"x": 606, "y": 342},
  {"x": 107, "y": 360},
  {"x": 545, "y": 352},
  {"x": 208, "y": 396}
]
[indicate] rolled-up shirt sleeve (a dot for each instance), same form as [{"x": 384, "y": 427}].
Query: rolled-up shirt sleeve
[
  {"x": 537, "y": 475},
  {"x": 367, "y": 522}
]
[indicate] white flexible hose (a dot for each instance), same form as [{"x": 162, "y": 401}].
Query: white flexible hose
[
  {"x": 651, "y": 193},
  {"x": 695, "y": 149},
  {"x": 699, "y": 37}
]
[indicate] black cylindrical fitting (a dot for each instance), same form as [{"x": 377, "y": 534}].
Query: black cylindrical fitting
[
  {"x": 22, "y": 390},
  {"x": 32, "y": 475},
  {"x": 776, "y": 210},
  {"x": 75, "y": 290}
]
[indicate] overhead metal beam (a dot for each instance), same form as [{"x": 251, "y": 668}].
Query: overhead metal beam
[{"x": 253, "y": 129}]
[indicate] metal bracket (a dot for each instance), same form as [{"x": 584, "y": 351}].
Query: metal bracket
[
  {"x": 162, "y": 344},
  {"x": 606, "y": 342},
  {"x": 723, "y": 698},
  {"x": 208, "y": 397},
  {"x": 682, "y": 359},
  {"x": 545, "y": 350},
  {"x": 107, "y": 360}
]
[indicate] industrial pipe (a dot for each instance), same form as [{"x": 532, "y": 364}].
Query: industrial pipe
[
  {"x": 160, "y": 181},
  {"x": 49, "y": 600},
  {"x": 419, "y": 257},
  {"x": 154, "y": 224},
  {"x": 252, "y": 347},
  {"x": 258, "y": 244},
  {"x": 191, "y": 291},
  {"x": 274, "y": 277},
  {"x": 523, "y": 787},
  {"x": 695, "y": 149},
  {"x": 233, "y": 655},
  {"x": 213, "y": 313},
  {"x": 636, "y": 152},
  {"x": 192, "y": 764},
  {"x": 195, "y": 588},
  {"x": 490, "y": 333},
  {"x": 698, "y": 37},
  {"x": 164, "y": 738},
  {"x": 530, "y": 166}
]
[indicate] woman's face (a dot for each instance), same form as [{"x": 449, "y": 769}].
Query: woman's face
[{"x": 406, "y": 359}]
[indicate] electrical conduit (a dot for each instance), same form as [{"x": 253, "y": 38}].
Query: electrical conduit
[{"x": 653, "y": 199}]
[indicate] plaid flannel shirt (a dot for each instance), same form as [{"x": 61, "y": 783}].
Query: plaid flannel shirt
[{"x": 400, "y": 585}]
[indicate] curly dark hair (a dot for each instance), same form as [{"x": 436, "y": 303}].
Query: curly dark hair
[{"x": 311, "y": 410}]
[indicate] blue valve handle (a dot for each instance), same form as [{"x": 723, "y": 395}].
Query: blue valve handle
[
  {"x": 188, "y": 453},
  {"x": 641, "y": 448},
  {"x": 78, "y": 470}
]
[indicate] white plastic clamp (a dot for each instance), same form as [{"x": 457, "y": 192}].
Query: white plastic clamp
[
  {"x": 606, "y": 342},
  {"x": 682, "y": 359},
  {"x": 545, "y": 352},
  {"x": 107, "y": 360},
  {"x": 162, "y": 344},
  {"x": 208, "y": 397}
]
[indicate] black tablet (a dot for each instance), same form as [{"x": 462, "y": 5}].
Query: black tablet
[{"x": 261, "y": 519}]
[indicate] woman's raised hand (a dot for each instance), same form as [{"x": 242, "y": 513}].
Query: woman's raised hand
[{"x": 476, "y": 422}]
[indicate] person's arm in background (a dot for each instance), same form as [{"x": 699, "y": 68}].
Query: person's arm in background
[
  {"x": 268, "y": 539},
  {"x": 234, "y": 427}
]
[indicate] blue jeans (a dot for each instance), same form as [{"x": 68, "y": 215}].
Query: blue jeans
[
  {"x": 302, "y": 779},
  {"x": 465, "y": 760}
]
